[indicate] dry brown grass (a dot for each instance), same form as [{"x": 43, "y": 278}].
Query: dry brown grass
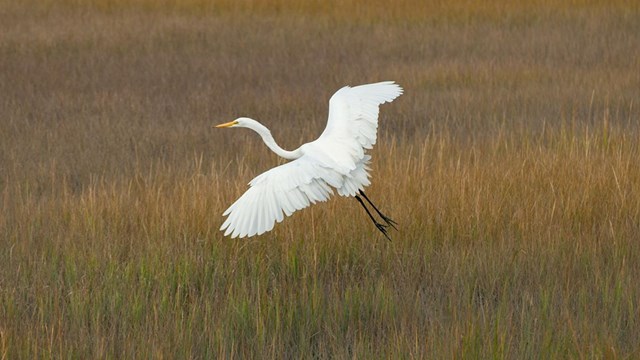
[{"x": 510, "y": 163}]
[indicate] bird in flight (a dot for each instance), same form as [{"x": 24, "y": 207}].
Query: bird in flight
[{"x": 337, "y": 160}]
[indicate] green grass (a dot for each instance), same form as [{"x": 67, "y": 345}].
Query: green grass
[{"x": 510, "y": 164}]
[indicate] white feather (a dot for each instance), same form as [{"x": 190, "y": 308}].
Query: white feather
[{"x": 337, "y": 159}]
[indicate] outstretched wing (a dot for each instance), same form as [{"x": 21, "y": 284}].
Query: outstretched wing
[
  {"x": 353, "y": 111},
  {"x": 279, "y": 192},
  {"x": 353, "y": 120}
]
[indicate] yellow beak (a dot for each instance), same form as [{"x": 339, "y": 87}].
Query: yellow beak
[{"x": 229, "y": 124}]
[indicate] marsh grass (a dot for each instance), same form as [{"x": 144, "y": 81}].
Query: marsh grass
[{"x": 510, "y": 164}]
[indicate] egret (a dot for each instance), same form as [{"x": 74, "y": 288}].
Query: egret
[{"x": 338, "y": 160}]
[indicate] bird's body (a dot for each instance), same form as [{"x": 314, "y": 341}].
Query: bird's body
[{"x": 336, "y": 160}]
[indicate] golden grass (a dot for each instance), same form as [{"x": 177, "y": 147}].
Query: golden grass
[
  {"x": 510, "y": 164},
  {"x": 358, "y": 11}
]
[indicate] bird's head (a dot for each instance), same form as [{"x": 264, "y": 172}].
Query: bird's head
[{"x": 239, "y": 122}]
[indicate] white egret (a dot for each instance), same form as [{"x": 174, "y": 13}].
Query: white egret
[{"x": 337, "y": 159}]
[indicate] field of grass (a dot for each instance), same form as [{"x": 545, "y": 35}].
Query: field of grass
[{"x": 511, "y": 164}]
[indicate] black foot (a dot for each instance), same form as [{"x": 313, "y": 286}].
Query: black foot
[
  {"x": 383, "y": 230},
  {"x": 390, "y": 222},
  {"x": 386, "y": 219}
]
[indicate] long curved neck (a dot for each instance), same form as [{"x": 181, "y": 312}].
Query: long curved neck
[{"x": 266, "y": 136}]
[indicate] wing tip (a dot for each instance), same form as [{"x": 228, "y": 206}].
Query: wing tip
[
  {"x": 389, "y": 89},
  {"x": 399, "y": 90}
]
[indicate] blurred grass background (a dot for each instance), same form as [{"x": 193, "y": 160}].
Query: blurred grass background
[{"x": 510, "y": 163}]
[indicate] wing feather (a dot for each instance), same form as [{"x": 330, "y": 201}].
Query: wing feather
[
  {"x": 353, "y": 112},
  {"x": 277, "y": 193},
  {"x": 352, "y": 130}
]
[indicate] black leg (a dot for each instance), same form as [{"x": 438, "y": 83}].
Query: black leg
[
  {"x": 383, "y": 216},
  {"x": 382, "y": 228}
]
